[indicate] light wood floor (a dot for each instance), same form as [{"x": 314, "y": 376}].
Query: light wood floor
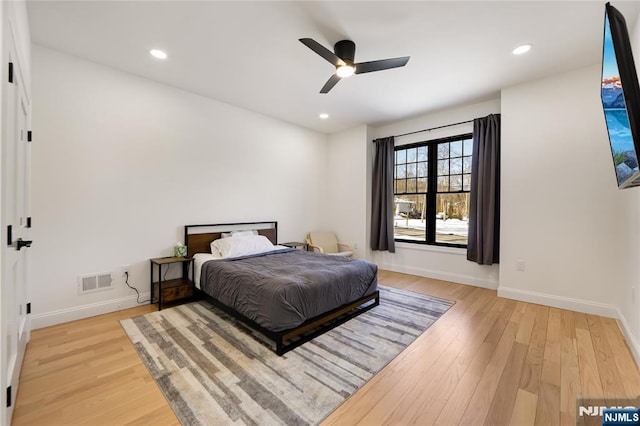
[{"x": 486, "y": 361}]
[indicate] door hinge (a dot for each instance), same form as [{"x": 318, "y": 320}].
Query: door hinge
[
  {"x": 28, "y": 308},
  {"x": 9, "y": 236},
  {"x": 29, "y": 134},
  {"x": 10, "y": 72},
  {"x": 8, "y": 396},
  {"x": 29, "y": 222}
]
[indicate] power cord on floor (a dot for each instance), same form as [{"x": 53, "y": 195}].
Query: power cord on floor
[{"x": 126, "y": 281}]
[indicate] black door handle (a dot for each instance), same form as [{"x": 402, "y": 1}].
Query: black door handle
[{"x": 23, "y": 243}]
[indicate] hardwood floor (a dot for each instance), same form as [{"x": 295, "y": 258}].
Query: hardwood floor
[
  {"x": 87, "y": 372},
  {"x": 486, "y": 361}
]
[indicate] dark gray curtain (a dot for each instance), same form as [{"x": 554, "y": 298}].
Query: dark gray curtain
[
  {"x": 382, "y": 197},
  {"x": 484, "y": 213}
]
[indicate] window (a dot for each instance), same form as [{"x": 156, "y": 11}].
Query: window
[{"x": 432, "y": 181}]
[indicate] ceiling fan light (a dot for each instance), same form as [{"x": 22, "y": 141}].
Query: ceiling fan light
[{"x": 344, "y": 71}]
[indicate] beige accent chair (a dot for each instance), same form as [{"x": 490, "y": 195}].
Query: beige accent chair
[{"x": 327, "y": 243}]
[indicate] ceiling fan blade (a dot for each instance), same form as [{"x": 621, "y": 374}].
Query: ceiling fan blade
[
  {"x": 383, "y": 64},
  {"x": 330, "y": 83},
  {"x": 322, "y": 51}
]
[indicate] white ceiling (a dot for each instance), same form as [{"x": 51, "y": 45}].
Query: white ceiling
[{"x": 248, "y": 54}]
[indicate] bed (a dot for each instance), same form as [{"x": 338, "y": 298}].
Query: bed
[{"x": 287, "y": 295}]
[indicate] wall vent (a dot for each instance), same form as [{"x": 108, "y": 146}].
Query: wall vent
[{"x": 94, "y": 282}]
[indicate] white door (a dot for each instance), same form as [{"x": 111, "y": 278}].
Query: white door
[{"x": 16, "y": 224}]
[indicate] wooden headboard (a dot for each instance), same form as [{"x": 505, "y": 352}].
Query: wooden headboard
[{"x": 198, "y": 238}]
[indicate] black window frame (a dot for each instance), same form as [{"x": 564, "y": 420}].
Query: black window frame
[{"x": 432, "y": 186}]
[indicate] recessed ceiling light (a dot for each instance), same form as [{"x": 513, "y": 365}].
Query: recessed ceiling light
[
  {"x": 158, "y": 54},
  {"x": 324, "y": 116},
  {"x": 523, "y": 48}
]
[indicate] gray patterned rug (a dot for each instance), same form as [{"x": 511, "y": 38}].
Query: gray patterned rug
[{"x": 213, "y": 371}]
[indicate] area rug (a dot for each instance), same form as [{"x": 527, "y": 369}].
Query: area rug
[{"x": 213, "y": 371}]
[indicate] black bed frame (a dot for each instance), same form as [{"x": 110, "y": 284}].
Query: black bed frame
[{"x": 289, "y": 339}]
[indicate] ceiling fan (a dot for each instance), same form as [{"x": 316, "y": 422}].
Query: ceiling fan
[{"x": 343, "y": 60}]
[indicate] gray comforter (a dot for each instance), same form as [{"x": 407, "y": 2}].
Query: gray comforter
[{"x": 280, "y": 290}]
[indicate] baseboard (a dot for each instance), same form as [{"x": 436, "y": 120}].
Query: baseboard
[
  {"x": 578, "y": 305},
  {"x": 632, "y": 342},
  {"x": 60, "y": 316},
  {"x": 441, "y": 275}
]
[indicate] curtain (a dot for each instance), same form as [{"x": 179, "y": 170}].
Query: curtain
[
  {"x": 382, "y": 197},
  {"x": 484, "y": 212}
]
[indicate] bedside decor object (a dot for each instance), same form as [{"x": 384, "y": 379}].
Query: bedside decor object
[{"x": 180, "y": 250}]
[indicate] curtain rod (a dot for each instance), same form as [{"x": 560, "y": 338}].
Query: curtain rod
[{"x": 433, "y": 128}]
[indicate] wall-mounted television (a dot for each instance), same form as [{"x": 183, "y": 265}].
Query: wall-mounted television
[{"x": 620, "y": 95}]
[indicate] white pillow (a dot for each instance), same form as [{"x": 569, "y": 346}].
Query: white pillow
[
  {"x": 246, "y": 233},
  {"x": 241, "y": 246}
]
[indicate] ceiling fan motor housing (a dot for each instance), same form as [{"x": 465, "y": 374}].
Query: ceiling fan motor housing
[{"x": 345, "y": 50}]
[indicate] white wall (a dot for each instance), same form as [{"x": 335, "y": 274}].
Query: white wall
[
  {"x": 346, "y": 200},
  {"x": 121, "y": 163},
  {"x": 437, "y": 262},
  {"x": 629, "y": 314},
  {"x": 561, "y": 210}
]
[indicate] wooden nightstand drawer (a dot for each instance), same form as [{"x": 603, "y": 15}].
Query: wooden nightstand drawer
[{"x": 177, "y": 292}]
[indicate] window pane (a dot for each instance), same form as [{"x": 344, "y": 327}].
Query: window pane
[
  {"x": 411, "y": 185},
  {"x": 443, "y": 150},
  {"x": 422, "y": 185},
  {"x": 466, "y": 182},
  {"x": 401, "y": 156},
  {"x": 443, "y": 183},
  {"x": 401, "y": 171},
  {"x": 443, "y": 167},
  {"x": 411, "y": 155},
  {"x": 455, "y": 166},
  {"x": 409, "y": 217},
  {"x": 422, "y": 153},
  {"x": 452, "y": 219},
  {"x": 422, "y": 169},
  {"x": 456, "y": 149},
  {"x": 411, "y": 170},
  {"x": 468, "y": 146},
  {"x": 466, "y": 165},
  {"x": 401, "y": 186},
  {"x": 455, "y": 182}
]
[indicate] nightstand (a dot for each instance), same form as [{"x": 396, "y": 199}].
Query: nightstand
[
  {"x": 174, "y": 289},
  {"x": 295, "y": 244}
]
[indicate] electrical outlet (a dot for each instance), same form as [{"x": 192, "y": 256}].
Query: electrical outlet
[
  {"x": 355, "y": 246},
  {"x": 125, "y": 270},
  {"x": 520, "y": 265}
]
